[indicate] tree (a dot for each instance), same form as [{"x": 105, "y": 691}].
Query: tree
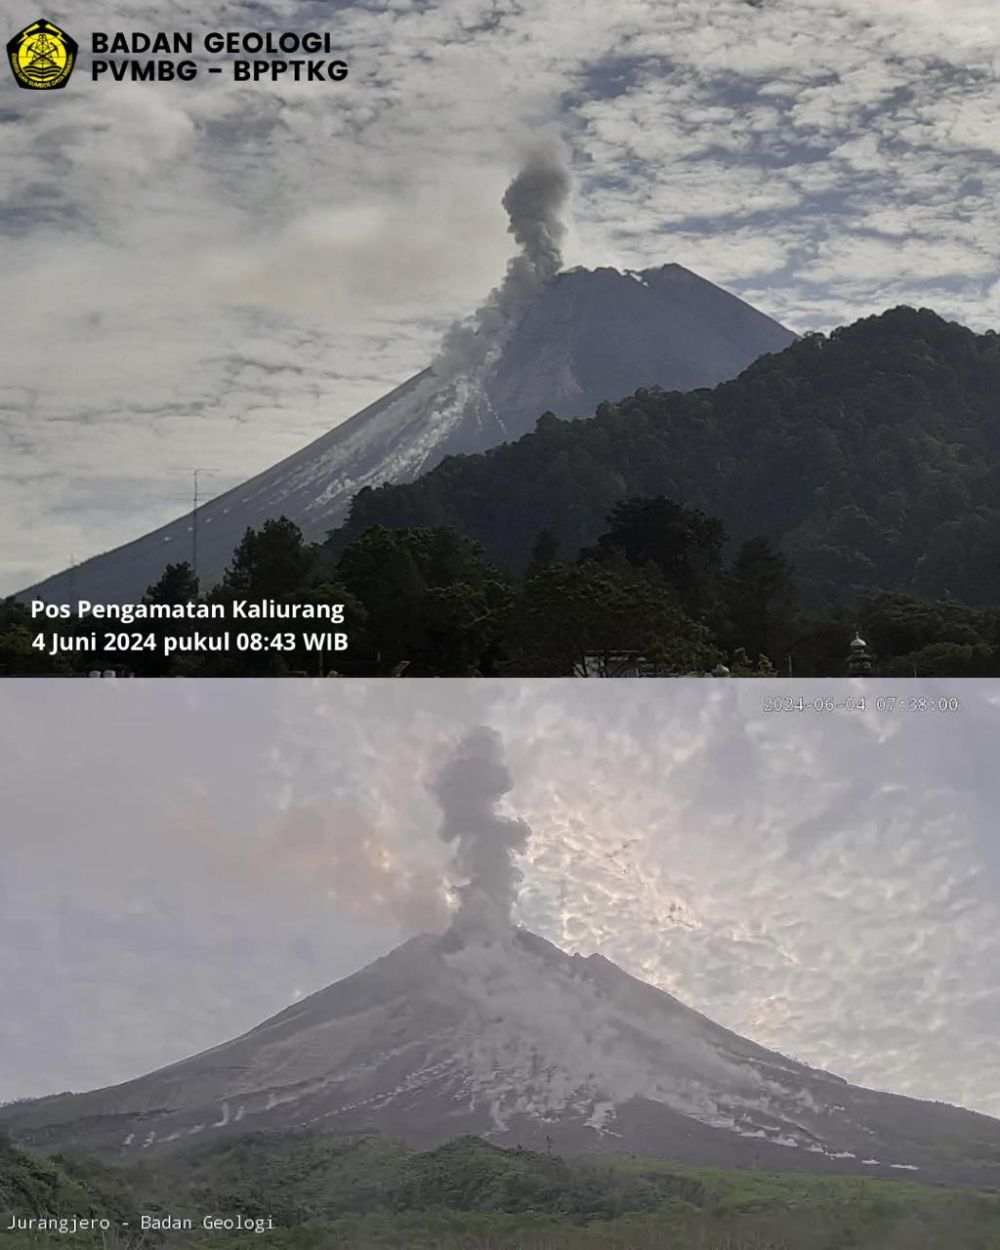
[
  {"x": 178, "y": 584},
  {"x": 432, "y": 602},
  {"x": 946, "y": 659},
  {"x": 898, "y": 624},
  {"x": 331, "y": 664},
  {"x": 271, "y": 562},
  {"x": 740, "y": 665},
  {"x": 381, "y": 571},
  {"x": 760, "y": 601},
  {"x": 571, "y": 619},
  {"x": 684, "y": 544},
  {"x": 544, "y": 551},
  {"x": 18, "y": 657}
]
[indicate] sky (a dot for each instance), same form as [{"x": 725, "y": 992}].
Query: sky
[
  {"x": 827, "y": 884},
  {"x": 211, "y": 274}
]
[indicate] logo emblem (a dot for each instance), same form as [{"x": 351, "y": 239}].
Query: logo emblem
[{"x": 42, "y": 56}]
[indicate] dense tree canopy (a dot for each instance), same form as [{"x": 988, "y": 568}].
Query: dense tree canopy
[
  {"x": 870, "y": 457},
  {"x": 654, "y": 595},
  {"x": 364, "y": 1192}
]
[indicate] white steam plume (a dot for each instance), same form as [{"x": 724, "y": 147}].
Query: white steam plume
[
  {"x": 534, "y": 202},
  {"x": 469, "y": 787}
]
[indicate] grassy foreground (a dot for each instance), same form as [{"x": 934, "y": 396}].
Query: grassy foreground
[{"x": 362, "y": 1191}]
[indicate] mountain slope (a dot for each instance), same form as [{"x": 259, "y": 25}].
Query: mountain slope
[
  {"x": 872, "y": 456},
  {"x": 587, "y": 337},
  {"x": 514, "y": 1039}
]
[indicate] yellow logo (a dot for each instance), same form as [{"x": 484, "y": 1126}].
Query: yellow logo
[{"x": 42, "y": 56}]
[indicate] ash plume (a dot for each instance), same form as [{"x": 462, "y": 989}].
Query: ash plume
[
  {"x": 534, "y": 201},
  {"x": 469, "y": 787}
]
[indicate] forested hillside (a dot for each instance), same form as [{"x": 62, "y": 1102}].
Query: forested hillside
[
  {"x": 849, "y": 482},
  {"x": 871, "y": 457},
  {"x": 362, "y": 1192},
  {"x": 655, "y": 595}
]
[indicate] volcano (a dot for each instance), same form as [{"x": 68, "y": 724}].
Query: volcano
[
  {"x": 586, "y": 336},
  {"x": 508, "y": 1037}
]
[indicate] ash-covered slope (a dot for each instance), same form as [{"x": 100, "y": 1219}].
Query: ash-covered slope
[
  {"x": 583, "y": 337},
  {"x": 507, "y": 1036}
]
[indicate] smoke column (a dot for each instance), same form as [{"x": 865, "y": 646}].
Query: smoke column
[
  {"x": 534, "y": 202},
  {"x": 469, "y": 787}
]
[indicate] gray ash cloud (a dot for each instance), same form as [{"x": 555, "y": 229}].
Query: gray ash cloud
[
  {"x": 535, "y": 202},
  {"x": 469, "y": 788}
]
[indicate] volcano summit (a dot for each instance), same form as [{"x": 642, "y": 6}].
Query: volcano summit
[
  {"x": 546, "y": 339},
  {"x": 506, "y": 1036},
  {"x": 491, "y": 1030}
]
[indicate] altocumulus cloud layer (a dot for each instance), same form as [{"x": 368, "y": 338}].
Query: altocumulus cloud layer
[
  {"x": 826, "y": 884},
  {"x": 211, "y": 274}
]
